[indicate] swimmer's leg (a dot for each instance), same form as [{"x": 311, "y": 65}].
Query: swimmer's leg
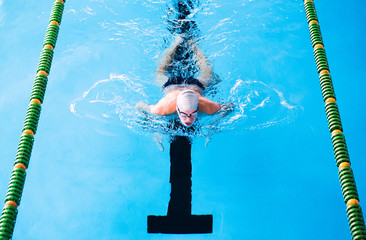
[
  {"x": 207, "y": 77},
  {"x": 204, "y": 66},
  {"x": 167, "y": 61},
  {"x": 182, "y": 24},
  {"x": 184, "y": 8}
]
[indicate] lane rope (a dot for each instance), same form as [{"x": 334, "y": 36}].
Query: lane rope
[
  {"x": 345, "y": 173},
  {"x": 17, "y": 179}
]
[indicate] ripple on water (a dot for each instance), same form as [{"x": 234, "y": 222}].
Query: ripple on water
[
  {"x": 113, "y": 101},
  {"x": 258, "y": 105}
]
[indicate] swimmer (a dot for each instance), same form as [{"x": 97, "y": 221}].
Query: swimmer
[
  {"x": 186, "y": 101},
  {"x": 184, "y": 73},
  {"x": 183, "y": 95}
]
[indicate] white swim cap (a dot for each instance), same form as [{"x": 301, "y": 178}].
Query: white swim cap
[{"x": 187, "y": 100}]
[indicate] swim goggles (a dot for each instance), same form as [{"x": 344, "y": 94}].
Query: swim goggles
[{"x": 185, "y": 115}]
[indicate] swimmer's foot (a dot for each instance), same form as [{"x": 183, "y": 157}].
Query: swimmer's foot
[{"x": 184, "y": 8}]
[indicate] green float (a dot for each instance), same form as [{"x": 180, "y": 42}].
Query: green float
[
  {"x": 17, "y": 179},
  {"x": 346, "y": 177}
]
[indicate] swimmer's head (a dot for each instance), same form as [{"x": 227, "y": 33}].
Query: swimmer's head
[{"x": 187, "y": 107}]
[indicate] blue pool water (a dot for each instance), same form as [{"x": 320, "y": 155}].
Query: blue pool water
[{"x": 268, "y": 170}]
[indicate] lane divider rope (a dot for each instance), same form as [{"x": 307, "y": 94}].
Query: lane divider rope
[
  {"x": 17, "y": 179},
  {"x": 345, "y": 173}
]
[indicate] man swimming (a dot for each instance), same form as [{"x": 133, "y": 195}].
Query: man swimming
[
  {"x": 177, "y": 71},
  {"x": 183, "y": 95}
]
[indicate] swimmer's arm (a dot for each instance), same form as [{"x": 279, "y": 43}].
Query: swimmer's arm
[
  {"x": 207, "y": 106},
  {"x": 165, "y": 106},
  {"x": 157, "y": 109},
  {"x": 225, "y": 109}
]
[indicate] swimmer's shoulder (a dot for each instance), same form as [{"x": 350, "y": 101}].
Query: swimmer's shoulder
[{"x": 207, "y": 106}]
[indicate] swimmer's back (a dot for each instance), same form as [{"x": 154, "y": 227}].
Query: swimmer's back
[{"x": 175, "y": 90}]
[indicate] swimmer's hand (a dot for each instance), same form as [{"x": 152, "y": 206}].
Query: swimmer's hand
[
  {"x": 143, "y": 107},
  {"x": 227, "y": 107},
  {"x": 159, "y": 140},
  {"x": 207, "y": 141}
]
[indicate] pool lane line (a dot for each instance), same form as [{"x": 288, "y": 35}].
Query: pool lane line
[
  {"x": 345, "y": 173},
  {"x": 18, "y": 175}
]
